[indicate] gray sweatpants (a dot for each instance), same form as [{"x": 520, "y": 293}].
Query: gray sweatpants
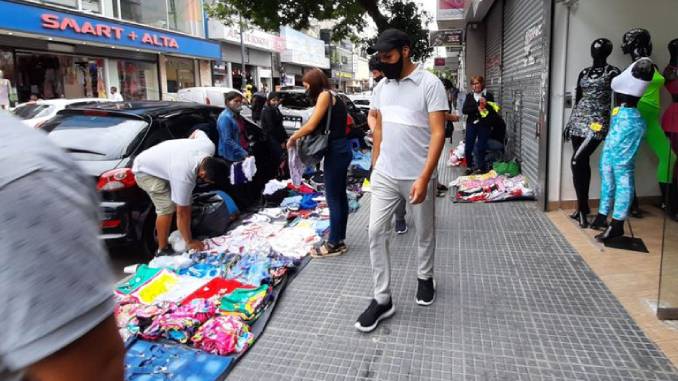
[{"x": 387, "y": 193}]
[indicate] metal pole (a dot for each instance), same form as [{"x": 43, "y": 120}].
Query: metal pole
[{"x": 242, "y": 55}]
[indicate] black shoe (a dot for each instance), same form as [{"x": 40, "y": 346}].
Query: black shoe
[
  {"x": 426, "y": 291},
  {"x": 575, "y": 215},
  {"x": 166, "y": 251},
  {"x": 616, "y": 229},
  {"x": 468, "y": 172},
  {"x": 599, "y": 223},
  {"x": 582, "y": 218},
  {"x": 369, "y": 320}
]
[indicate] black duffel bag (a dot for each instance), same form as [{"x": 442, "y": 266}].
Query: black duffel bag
[{"x": 212, "y": 213}]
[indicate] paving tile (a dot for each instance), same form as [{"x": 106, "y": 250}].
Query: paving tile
[{"x": 515, "y": 302}]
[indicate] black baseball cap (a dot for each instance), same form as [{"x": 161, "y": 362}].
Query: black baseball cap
[{"x": 390, "y": 39}]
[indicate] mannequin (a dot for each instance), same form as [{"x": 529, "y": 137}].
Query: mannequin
[
  {"x": 5, "y": 87},
  {"x": 589, "y": 121},
  {"x": 617, "y": 161},
  {"x": 670, "y": 119},
  {"x": 637, "y": 42}
]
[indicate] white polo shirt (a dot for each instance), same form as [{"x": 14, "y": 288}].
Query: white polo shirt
[
  {"x": 405, "y": 136},
  {"x": 177, "y": 162}
]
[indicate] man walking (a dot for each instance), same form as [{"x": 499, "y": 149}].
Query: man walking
[
  {"x": 410, "y": 108},
  {"x": 168, "y": 173},
  {"x": 378, "y": 75}
]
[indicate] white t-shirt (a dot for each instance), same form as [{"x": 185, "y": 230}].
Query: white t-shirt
[
  {"x": 405, "y": 131},
  {"x": 176, "y": 161},
  {"x": 117, "y": 97}
]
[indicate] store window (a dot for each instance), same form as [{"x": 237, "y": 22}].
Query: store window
[
  {"x": 138, "y": 80},
  {"x": 180, "y": 74},
  {"x": 52, "y": 76},
  {"x": 93, "y": 6},
  {"x": 111, "y": 8},
  {"x": 63, "y": 3},
  {"x": 148, "y": 12},
  {"x": 185, "y": 16},
  {"x": 7, "y": 81}
]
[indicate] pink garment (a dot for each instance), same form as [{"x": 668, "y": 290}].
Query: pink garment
[
  {"x": 223, "y": 335},
  {"x": 670, "y": 117}
]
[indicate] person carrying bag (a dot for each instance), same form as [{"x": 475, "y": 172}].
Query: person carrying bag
[{"x": 323, "y": 137}]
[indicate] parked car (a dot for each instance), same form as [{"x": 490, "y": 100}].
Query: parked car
[
  {"x": 205, "y": 95},
  {"x": 297, "y": 109},
  {"x": 361, "y": 101},
  {"x": 35, "y": 113},
  {"x": 104, "y": 140}
]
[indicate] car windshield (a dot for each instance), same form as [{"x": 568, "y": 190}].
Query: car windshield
[
  {"x": 295, "y": 100},
  {"x": 32, "y": 110},
  {"x": 94, "y": 137}
]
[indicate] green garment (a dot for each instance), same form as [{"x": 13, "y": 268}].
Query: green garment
[
  {"x": 143, "y": 274},
  {"x": 649, "y": 107}
]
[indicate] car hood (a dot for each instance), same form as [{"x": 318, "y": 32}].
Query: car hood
[{"x": 97, "y": 167}]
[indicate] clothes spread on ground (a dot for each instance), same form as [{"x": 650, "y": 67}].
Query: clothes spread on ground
[
  {"x": 214, "y": 299},
  {"x": 491, "y": 187},
  {"x": 223, "y": 335},
  {"x": 362, "y": 160}
]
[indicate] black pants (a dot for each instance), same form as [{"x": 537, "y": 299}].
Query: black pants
[
  {"x": 481, "y": 133},
  {"x": 337, "y": 160},
  {"x": 581, "y": 169}
]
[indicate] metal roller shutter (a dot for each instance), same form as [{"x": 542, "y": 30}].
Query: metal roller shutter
[
  {"x": 493, "y": 42},
  {"x": 524, "y": 80}
]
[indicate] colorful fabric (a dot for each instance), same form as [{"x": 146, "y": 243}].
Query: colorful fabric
[
  {"x": 245, "y": 303},
  {"x": 649, "y": 108},
  {"x": 181, "y": 324},
  {"x": 223, "y": 335},
  {"x": 594, "y": 106},
  {"x": 295, "y": 165},
  {"x": 134, "y": 318},
  {"x": 617, "y": 161},
  {"x": 142, "y": 275},
  {"x": 158, "y": 285},
  {"x": 215, "y": 288},
  {"x": 252, "y": 269}
]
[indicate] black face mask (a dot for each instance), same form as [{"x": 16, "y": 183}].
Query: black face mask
[
  {"x": 392, "y": 71},
  {"x": 378, "y": 79}
]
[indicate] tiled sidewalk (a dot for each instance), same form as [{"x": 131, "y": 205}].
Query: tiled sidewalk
[{"x": 515, "y": 302}]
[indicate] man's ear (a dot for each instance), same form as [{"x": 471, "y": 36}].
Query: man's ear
[{"x": 407, "y": 52}]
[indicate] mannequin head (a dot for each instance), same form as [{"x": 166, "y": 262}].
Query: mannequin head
[
  {"x": 637, "y": 42},
  {"x": 673, "y": 50},
  {"x": 600, "y": 50}
]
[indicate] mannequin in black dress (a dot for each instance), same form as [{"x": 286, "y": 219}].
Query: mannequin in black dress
[{"x": 589, "y": 121}]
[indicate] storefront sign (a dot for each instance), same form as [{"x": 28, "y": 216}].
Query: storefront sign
[
  {"x": 450, "y": 37},
  {"x": 303, "y": 50},
  {"x": 341, "y": 74},
  {"x": 252, "y": 38},
  {"x": 40, "y": 20},
  {"x": 450, "y": 10}
]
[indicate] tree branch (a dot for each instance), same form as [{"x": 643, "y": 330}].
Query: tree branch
[{"x": 372, "y": 8}]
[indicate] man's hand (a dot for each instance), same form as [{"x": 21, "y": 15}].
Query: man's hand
[
  {"x": 418, "y": 191},
  {"x": 196, "y": 245}
]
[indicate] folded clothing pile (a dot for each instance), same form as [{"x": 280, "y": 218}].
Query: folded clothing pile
[{"x": 491, "y": 187}]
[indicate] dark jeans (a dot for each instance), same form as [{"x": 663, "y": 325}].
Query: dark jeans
[
  {"x": 581, "y": 169},
  {"x": 337, "y": 160},
  {"x": 482, "y": 134}
]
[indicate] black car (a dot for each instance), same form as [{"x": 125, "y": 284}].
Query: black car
[{"x": 104, "y": 139}]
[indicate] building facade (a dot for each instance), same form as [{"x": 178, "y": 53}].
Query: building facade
[
  {"x": 75, "y": 48},
  {"x": 301, "y": 53}
]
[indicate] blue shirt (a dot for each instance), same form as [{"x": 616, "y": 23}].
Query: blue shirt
[{"x": 229, "y": 137}]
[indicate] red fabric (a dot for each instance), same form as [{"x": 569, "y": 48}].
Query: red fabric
[
  {"x": 215, "y": 286},
  {"x": 672, "y": 86},
  {"x": 242, "y": 127},
  {"x": 303, "y": 188}
]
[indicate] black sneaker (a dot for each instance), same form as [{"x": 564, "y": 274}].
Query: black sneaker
[
  {"x": 166, "y": 251},
  {"x": 369, "y": 320},
  {"x": 401, "y": 227},
  {"x": 426, "y": 291}
]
